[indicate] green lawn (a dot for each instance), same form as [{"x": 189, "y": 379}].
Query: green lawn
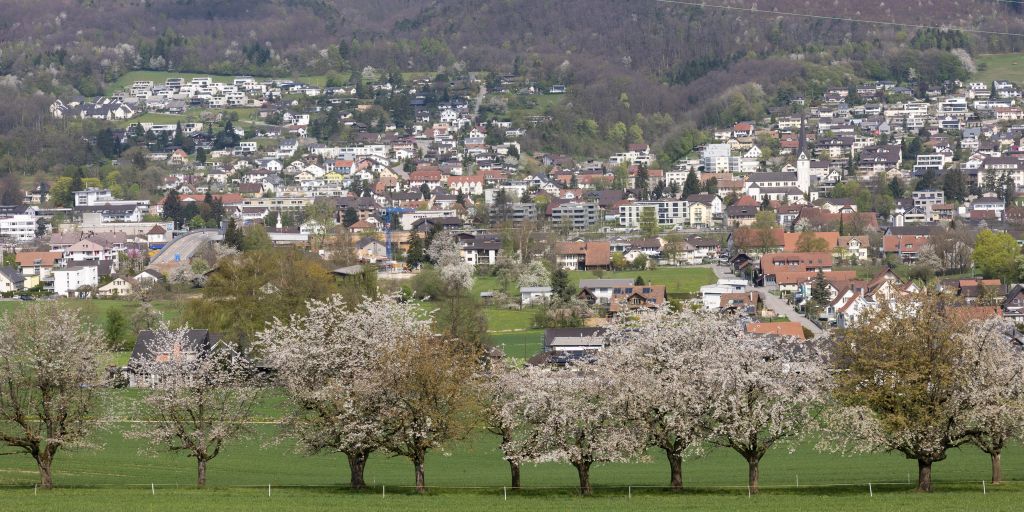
[
  {"x": 323, "y": 499},
  {"x": 504, "y": 320},
  {"x": 471, "y": 477},
  {"x": 96, "y": 310},
  {"x": 532, "y": 105},
  {"x": 1000, "y": 66},
  {"x": 678, "y": 280},
  {"x": 246, "y": 117},
  {"x": 520, "y": 345}
]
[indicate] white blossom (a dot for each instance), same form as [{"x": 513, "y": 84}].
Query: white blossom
[
  {"x": 201, "y": 397},
  {"x": 50, "y": 371}
]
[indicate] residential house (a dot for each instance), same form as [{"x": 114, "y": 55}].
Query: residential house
[
  {"x": 601, "y": 291},
  {"x": 591, "y": 255},
  {"x": 39, "y": 263},
  {"x": 1013, "y": 304},
  {"x": 480, "y": 249},
  {"x": 197, "y": 343},
  {"x": 531, "y": 295},
  {"x": 573, "y": 340},
  {"x": 772, "y": 264},
  {"x": 784, "y": 329},
  {"x": 637, "y": 297},
  {"x": 370, "y": 250},
  {"x": 711, "y": 295},
  {"x": 741, "y": 303},
  {"x": 11, "y": 280},
  {"x": 119, "y": 287},
  {"x": 904, "y": 247},
  {"x": 74, "y": 280}
]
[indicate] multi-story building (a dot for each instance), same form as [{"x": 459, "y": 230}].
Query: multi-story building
[
  {"x": 19, "y": 227},
  {"x": 576, "y": 215},
  {"x": 928, "y": 197},
  {"x": 668, "y": 213},
  {"x": 68, "y": 281}
]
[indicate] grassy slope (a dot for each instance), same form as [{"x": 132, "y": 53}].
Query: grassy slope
[{"x": 1001, "y": 66}]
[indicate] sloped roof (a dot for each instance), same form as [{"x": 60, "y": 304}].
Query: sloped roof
[{"x": 792, "y": 329}]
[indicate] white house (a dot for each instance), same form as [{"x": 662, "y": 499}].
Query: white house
[
  {"x": 534, "y": 294},
  {"x": 603, "y": 289},
  {"x": 67, "y": 281},
  {"x": 120, "y": 287},
  {"x": 711, "y": 295}
]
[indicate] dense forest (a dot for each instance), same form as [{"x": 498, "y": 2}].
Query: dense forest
[{"x": 656, "y": 65}]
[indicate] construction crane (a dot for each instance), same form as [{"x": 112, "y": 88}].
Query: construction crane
[{"x": 389, "y": 216}]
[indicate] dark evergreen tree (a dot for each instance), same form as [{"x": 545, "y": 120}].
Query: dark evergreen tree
[
  {"x": 896, "y": 187},
  {"x": 417, "y": 253},
  {"x": 561, "y": 287},
  {"x": 954, "y": 186},
  {"x": 926, "y": 181},
  {"x": 691, "y": 185},
  {"x": 106, "y": 143},
  {"x": 173, "y": 208},
  {"x": 711, "y": 186},
  {"x": 642, "y": 182},
  {"x": 179, "y": 135},
  {"x": 78, "y": 181},
  {"x": 351, "y": 216},
  {"x": 232, "y": 235}
]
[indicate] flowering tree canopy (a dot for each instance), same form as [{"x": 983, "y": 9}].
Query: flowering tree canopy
[
  {"x": 577, "y": 416},
  {"x": 201, "y": 397},
  {"x": 329, "y": 361},
  {"x": 50, "y": 369},
  {"x": 667, "y": 357}
]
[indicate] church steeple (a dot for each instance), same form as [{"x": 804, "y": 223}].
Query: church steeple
[{"x": 803, "y": 134}]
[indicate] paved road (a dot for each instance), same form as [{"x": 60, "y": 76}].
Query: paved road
[
  {"x": 773, "y": 302},
  {"x": 184, "y": 247}
]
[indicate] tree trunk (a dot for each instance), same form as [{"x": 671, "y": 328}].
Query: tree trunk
[
  {"x": 421, "y": 484},
  {"x": 753, "y": 474},
  {"x": 201, "y": 478},
  {"x": 997, "y": 467},
  {"x": 675, "y": 464},
  {"x": 356, "y": 466},
  {"x": 924, "y": 475},
  {"x": 583, "y": 469},
  {"x": 514, "y": 467},
  {"x": 45, "y": 473}
]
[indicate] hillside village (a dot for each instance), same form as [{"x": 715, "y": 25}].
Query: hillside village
[{"x": 814, "y": 213}]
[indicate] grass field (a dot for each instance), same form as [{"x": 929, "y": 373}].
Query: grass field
[
  {"x": 96, "y": 310},
  {"x": 520, "y": 345},
  {"x": 472, "y": 475},
  {"x": 256, "y": 499},
  {"x": 678, "y": 280},
  {"x": 246, "y": 117},
  {"x": 1000, "y": 66}
]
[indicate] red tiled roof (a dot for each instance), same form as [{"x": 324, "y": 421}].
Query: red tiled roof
[{"x": 792, "y": 329}]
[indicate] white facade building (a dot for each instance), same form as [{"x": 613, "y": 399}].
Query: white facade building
[{"x": 67, "y": 281}]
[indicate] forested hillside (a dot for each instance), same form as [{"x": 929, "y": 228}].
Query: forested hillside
[{"x": 625, "y": 61}]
